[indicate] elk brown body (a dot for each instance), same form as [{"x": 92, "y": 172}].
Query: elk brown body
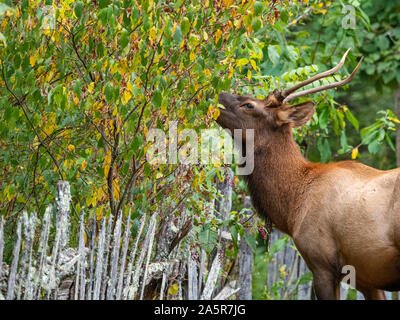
[{"x": 338, "y": 214}]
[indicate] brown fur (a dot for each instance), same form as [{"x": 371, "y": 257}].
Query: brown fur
[{"x": 343, "y": 213}]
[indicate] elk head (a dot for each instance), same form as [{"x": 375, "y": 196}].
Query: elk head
[{"x": 273, "y": 112}]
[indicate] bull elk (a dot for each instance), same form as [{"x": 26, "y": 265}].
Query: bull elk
[{"x": 343, "y": 213}]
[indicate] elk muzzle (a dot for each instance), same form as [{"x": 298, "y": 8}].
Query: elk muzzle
[{"x": 228, "y": 100}]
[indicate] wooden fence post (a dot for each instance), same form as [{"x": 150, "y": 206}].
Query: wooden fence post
[
  {"x": 245, "y": 264},
  {"x": 98, "y": 273},
  {"x": 223, "y": 206},
  {"x": 14, "y": 264},
  {"x": 1, "y": 250}
]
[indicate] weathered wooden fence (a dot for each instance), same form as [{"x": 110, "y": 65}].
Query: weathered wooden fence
[{"x": 108, "y": 263}]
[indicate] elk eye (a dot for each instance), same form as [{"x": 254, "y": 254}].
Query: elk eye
[{"x": 248, "y": 106}]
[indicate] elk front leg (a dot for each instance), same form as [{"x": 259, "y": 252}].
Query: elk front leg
[{"x": 326, "y": 285}]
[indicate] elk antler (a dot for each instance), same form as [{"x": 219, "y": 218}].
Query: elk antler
[{"x": 287, "y": 94}]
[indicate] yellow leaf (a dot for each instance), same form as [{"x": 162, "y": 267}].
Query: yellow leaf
[
  {"x": 50, "y": 123},
  {"x": 126, "y": 96},
  {"x": 101, "y": 194},
  {"x": 91, "y": 199},
  {"x": 354, "y": 153},
  {"x": 159, "y": 56},
  {"x": 249, "y": 74},
  {"x": 173, "y": 290},
  {"x": 160, "y": 174},
  {"x": 116, "y": 190},
  {"x": 71, "y": 147},
  {"x": 282, "y": 270},
  {"x": 7, "y": 193},
  {"x": 129, "y": 87},
  {"x": 210, "y": 109},
  {"x": 90, "y": 87},
  {"x": 237, "y": 23},
  {"x": 114, "y": 68},
  {"x": 230, "y": 72},
  {"x": 253, "y": 64},
  {"x": 394, "y": 119},
  {"x": 32, "y": 60},
  {"x": 83, "y": 166},
  {"x": 207, "y": 72},
  {"x": 192, "y": 56},
  {"x": 242, "y": 62},
  {"x": 216, "y": 114},
  {"x": 153, "y": 33},
  {"x": 107, "y": 163},
  {"x": 99, "y": 213},
  {"x": 218, "y": 35}
]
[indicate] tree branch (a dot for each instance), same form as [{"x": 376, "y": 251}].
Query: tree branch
[{"x": 21, "y": 105}]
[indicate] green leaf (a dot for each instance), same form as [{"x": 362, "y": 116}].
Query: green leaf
[
  {"x": 305, "y": 278},
  {"x": 383, "y": 42},
  {"x": 293, "y": 53},
  {"x": 185, "y": 26},
  {"x": 273, "y": 54},
  {"x": 323, "y": 118},
  {"x": 156, "y": 99},
  {"x": 3, "y": 39},
  {"x": 369, "y": 133},
  {"x": 351, "y": 294},
  {"x": 207, "y": 237},
  {"x": 376, "y": 144},
  {"x": 178, "y": 36},
  {"x": 137, "y": 142},
  {"x": 123, "y": 39},
  {"x": 390, "y": 143},
  {"x": 343, "y": 142},
  {"x": 77, "y": 88},
  {"x": 278, "y": 245},
  {"x": 388, "y": 76},
  {"x": 324, "y": 150},
  {"x": 352, "y": 119},
  {"x": 256, "y": 25},
  {"x": 78, "y": 9},
  {"x": 251, "y": 241},
  {"x": 103, "y": 3},
  {"x": 258, "y": 8},
  {"x": 234, "y": 232}
]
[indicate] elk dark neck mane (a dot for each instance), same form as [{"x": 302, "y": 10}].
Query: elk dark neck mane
[{"x": 280, "y": 179}]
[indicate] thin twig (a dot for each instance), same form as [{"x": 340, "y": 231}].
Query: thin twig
[{"x": 21, "y": 104}]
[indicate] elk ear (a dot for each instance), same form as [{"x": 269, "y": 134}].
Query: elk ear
[{"x": 297, "y": 114}]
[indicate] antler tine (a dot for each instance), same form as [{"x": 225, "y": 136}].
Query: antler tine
[
  {"x": 318, "y": 76},
  {"x": 324, "y": 87}
]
